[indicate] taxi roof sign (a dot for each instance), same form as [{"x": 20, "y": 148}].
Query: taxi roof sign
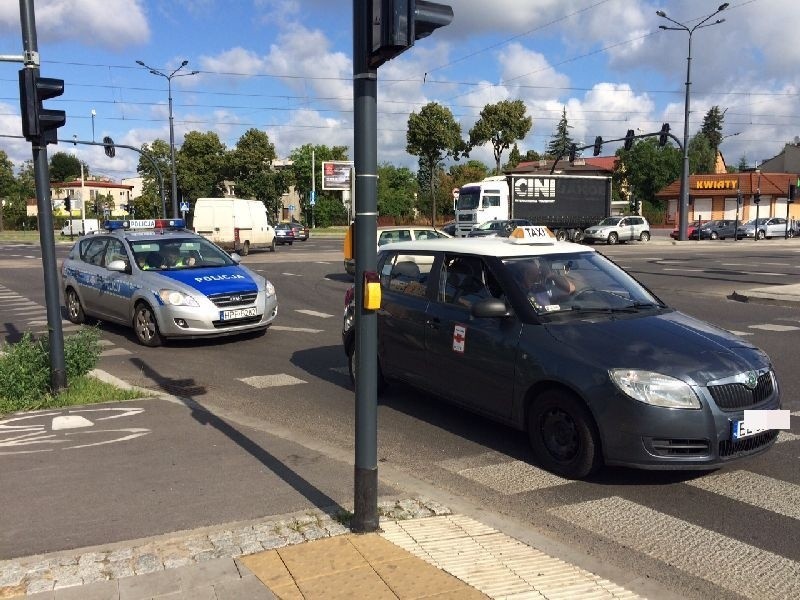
[{"x": 531, "y": 234}]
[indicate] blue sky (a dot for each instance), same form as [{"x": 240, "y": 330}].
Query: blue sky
[{"x": 284, "y": 66}]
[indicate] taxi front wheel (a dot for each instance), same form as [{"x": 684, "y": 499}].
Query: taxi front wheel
[
  {"x": 563, "y": 435},
  {"x": 351, "y": 365},
  {"x": 146, "y": 326}
]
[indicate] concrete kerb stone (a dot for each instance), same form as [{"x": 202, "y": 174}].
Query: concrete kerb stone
[{"x": 44, "y": 573}]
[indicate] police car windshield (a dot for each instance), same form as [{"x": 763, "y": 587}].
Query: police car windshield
[
  {"x": 578, "y": 282},
  {"x": 172, "y": 253}
]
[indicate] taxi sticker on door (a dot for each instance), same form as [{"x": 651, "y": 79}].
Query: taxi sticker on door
[{"x": 459, "y": 338}]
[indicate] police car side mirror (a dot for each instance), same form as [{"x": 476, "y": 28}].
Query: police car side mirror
[
  {"x": 118, "y": 266},
  {"x": 236, "y": 258},
  {"x": 490, "y": 308}
]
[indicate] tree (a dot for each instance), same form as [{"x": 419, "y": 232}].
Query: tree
[
  {"x": 702, "y": 157},
  {"x": 471, "y": 171},
  {"x": 434, "y": 135},
  {"x": 8, "y": 185},
  {"x": 502, "y": 124},
  {"x": 149, "y": 205},
  {"x": 561, "y": 141},
  {"x": 742, "y": 166},
  {"x": 646, "y": 168},
  {"x": 200, "y": 164},
  {"x": 397, "y": 190},
  {"x": 249, "y": 164},
  {"x": 301, "y": 174},
  {"x": 514, "y": 158},
  {"x": 66, "y": 167},
  {"x": 712, "y": 127}
]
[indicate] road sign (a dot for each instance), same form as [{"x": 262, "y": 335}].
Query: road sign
[
  {"x": 312, "y": 202},
  {"x": 184, "y": 207}
]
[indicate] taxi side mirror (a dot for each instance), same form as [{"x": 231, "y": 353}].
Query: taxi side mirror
[{"x": 490, "y": 308}]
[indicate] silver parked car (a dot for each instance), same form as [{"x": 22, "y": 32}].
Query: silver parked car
[
  {"x": 613, "y": 230},
  {"x": 765, "y": 227}
]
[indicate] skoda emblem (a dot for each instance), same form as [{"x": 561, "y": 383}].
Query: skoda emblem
[{"x": 751, "y": 380}]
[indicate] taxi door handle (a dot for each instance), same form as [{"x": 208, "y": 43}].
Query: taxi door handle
[{"x": 434, "y": 323}]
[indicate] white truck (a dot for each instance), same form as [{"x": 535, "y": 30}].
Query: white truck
[
  {"x": 80, "y": 226},
  {"x": 567, "y": 204},
  {"x": 235, "y": 224}
]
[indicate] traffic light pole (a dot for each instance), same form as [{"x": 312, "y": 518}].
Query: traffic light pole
[
  {"x": 365, "y": 88},
  {"x": 58, "y": 374}
]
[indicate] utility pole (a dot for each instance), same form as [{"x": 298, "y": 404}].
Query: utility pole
[
  {"x": 39, "y": 126},
  {"x": 313, "y": 184}
]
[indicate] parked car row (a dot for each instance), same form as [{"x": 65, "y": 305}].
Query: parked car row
[{"x": 720, "y": 229}]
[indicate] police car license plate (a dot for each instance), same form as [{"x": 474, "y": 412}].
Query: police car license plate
[
  {"x": 740, "y": 430},
  {"x": 237, "y": 313}
]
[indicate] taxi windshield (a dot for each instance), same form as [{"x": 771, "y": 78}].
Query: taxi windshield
[
  {"x": 577, "y": 283},
  {"x": 178, "y": 253}
]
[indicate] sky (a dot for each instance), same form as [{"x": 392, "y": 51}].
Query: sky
[{"x": 284, "y": 66}]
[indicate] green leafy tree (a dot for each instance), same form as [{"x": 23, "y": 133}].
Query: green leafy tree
[
  {"x": 712, "y": 126},
  {"x": 469, "y": 172},
  {"x": 149, "y": 204},
  {"x": 561, "y": 141},
  {"x": 434, "y": 135},
  {"x": 502, "y": 124},
  {"x": 8, "y": 185},
  {"x": 514, "y": 158},
  {"x": 646, "y": 168},
  {"x": 66, "y": 167},
  {"x": 702, "y": 157},
  {"x": 201, "y": 163},
  {"x": 301, "y": 174},
  {"x": 742, "y": 166},
  {"x": 397, "y": 190},
  {"x": 250, "y": 165},
  {"x": 329, "y": 211}
]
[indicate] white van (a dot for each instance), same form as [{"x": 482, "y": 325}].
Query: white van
[
  {"x": 234, "y": 224},
  {"x": 76, "y": 226}
]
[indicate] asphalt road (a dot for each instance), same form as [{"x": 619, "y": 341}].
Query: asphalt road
[{"x": 700, "y": 534}]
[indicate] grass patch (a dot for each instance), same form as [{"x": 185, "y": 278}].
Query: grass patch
[{"x": 82, "y": 390}]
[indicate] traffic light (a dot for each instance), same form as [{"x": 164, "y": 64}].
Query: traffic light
[
  {"x": 629, "y": 139},
  {"x": 124, "y": 207},
  {"x": 573, "y": 150},
  {"x": 68, "y": 203},
  {"x": 598, "y": 145},
  {"x": 397, "y": 24},
  {"x": 39, "y": 124},
  {"x": 739, "y": 197},
  {"x": 757, "y": 198},
  {"x": 662, "y": 139}
]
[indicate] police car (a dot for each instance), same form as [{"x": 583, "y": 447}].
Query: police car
[
  {"x": 165, "y": 282},
  {"x": 554, "y": 339}
]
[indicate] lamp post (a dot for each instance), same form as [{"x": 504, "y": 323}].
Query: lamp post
[
  {"x": 94, "y": 114},
  {"x": 684, "y": 204},
  {"x": 175, "y": 213}
]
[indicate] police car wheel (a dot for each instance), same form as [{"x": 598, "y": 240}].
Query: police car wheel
[
  {"x": 146, "y": 327},
  {"x": 563, "y": 435},
  {"x": 74, "y": 309}
]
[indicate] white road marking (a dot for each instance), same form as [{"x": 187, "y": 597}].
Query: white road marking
[
  {"x": 70, "y": 422},
  {"x": 772, "y": 274},
  {"x": 771, "y": 327},
  {"x": 292, "y": 274},
  {"x": 733, "y": 565},
  {"x": 787, "y": 436},
  {"x": 115, "y": 352},
  {"x": 29, "y": 256},
  {"x": 321, "y": 262},
  {"x": 313, "y": 313},
  {"x": 756, "y": 490},
  {"x": 777, "y": 264},
  {"x": 341, "y": 370},
  {"x": 736, "y": 264},
  {"x": 298, "y": 329},
  {"x": 740, "y": 333},
  {"x": 513, "y": 477},
  {"x": 133, "y": 433},
  {"x": 266, "y": 381},
  {"x": 686, "y": 270}
]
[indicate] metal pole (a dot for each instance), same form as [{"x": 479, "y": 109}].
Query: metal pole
[
  {"x": 365, "y": 87},
  {"x": 313, "y": 184},
  {"x": 684, "y": 206},
  {"x": 172, "y": 154},
  {"x": 58, "y": 374}
]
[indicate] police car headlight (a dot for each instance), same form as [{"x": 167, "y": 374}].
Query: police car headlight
[
  {"x": 269, "y": 289},
  {"x": 654, "y": 388},
  {"x": 176, "y": 298}
]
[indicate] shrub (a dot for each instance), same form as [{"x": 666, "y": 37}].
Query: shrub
[{"x": 25, "y": 366}]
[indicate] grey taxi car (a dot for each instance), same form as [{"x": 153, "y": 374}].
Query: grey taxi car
[
  {"x": 613, "y": 230},
  {"x": 606, "y": 373},
  {"x": 164, "y": 282}
]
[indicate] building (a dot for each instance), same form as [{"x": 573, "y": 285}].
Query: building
[
  {"x": 714, "y": 196},
  {"x": 89, "y": 192},
  {"x": 788, "y": 161}
]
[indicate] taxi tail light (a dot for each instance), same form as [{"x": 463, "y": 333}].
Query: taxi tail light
[{"x": 349, "y": 295}]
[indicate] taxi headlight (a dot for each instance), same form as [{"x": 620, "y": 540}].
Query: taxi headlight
[
  {"x": 175, "y": 298},
  {"x": 269, "y": 289},
  {"x": 654, "y": 388}
]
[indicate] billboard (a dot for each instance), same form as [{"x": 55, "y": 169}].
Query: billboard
[{"x": 336, "y": 174}]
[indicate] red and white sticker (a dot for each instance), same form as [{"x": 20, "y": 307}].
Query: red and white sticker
[{"x": 459, "y": 338}]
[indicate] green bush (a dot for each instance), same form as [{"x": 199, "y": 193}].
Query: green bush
[{"x": 25, "y": 366}]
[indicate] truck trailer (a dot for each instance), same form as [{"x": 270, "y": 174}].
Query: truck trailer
[{"x": 567, "y": 204}]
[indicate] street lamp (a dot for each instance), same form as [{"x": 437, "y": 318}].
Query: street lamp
[
  {"x": 94, "y": 114},
  {"x": 684, "y": 204},
  {"x": 175, "y": 213}
]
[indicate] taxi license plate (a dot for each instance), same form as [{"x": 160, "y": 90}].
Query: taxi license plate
[
  {"x": 237, "y": 313},
  {"x": 740, "y": 430}
]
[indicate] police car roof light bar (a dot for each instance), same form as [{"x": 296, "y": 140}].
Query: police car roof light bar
[
  {"x": 113, "y": 225},
  {"x": 170, "y": 224}
]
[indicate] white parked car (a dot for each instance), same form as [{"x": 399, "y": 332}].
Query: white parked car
[
  {"x": 394, "y": 233},
  {"x": 613, "y": 230}
]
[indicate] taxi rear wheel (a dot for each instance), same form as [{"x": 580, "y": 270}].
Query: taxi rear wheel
[
  {"x": 146, "y": 327},
  {"x": 563, "y": 435},
  {"x": 74, "y": 308}
]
